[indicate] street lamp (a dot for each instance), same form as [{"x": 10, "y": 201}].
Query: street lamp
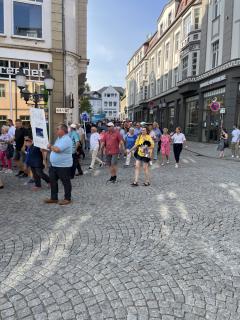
[{"x": 35, "y": 97}]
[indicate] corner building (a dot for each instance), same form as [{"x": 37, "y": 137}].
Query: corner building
[
  {"x": 192, "y": 60},
  {"x": 39, "y": 35}
]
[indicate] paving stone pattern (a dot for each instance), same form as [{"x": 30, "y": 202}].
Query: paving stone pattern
[{"x": 168, "y": 251}]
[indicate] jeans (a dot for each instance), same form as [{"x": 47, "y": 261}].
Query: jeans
[
  {"x": 87, "y": 142},
  {"x": 155, "y": 151},
  {"x": 76, "y": 165},
  {"x": 177, "y": 149},
  {"x": 95, "y": 158},
  {"x": 64, "y": 174},
  {"x": 39, "y": 174}
]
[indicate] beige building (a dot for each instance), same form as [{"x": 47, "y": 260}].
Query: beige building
[
  {"x": 38, "y": 41},
  {"x": 191, "y": 62}
]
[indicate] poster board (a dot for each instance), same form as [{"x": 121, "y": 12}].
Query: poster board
[{"x": 39, "y": 128}]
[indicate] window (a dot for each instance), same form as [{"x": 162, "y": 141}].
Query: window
[
  {"x": 110, "y": 104},
  {"x": 216, "y": 9},
  {"x": 105, "y": 104},
  {"x": 187, "y": 26},
  {"x": 146, "y": 67},
  {"x": 169, "y": 18},
  {"x": 110, "y": 113},
  {"x": 175, "y": 77},
  {"x": 27, "y": 19},
  {"x": 161, "y": 29},
  {"x": 194, "y": 63},
  {"x": 1, "y": 17},
  {"x": 152, "y": 64},
  {"x": 197, "y": 19},
  {"x": 108, "y": 95},
  {"x": 112, "y": 94},
  {"x": 192, "y": 116},
  {"x": 165, "y": 82},
  {"x": 3, "y": 120},
  {"x": 158, "y": 86},
  {"x": 167, "y": 51},
  {"x": 177, "y": 41},
  {"x": 114, "y": 104},
  {"x": 145, "y": 92},
  {"x": 185, "y": 67},
  {"x": 159, "y": 59},
  {"x": 2, "y": 91},
  {"x": 25, "y": 120},
  {"x": 215, "y": 53}
]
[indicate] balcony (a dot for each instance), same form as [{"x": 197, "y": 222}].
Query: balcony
[{"x": 193, "y": 37}]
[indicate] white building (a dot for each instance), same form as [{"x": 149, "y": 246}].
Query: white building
[
  {"x": 95, "y": 99},
  {"x": 111, "y": 101},
  {"x": 34, "y": 34}
]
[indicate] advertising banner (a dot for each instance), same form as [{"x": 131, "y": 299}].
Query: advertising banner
[{"x": 39, "y": 128}]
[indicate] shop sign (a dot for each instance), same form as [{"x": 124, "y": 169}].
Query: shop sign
[
  {"x": 28, "y": 72},
  {"x": 215, "y": 106},
  {"x": 62, "y": 110},
  {"x": 223, "y": 110},
  {"x": 212, "y": 81}
]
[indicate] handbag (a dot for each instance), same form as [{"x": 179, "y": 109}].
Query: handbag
[{"x": 9, "y": 151}]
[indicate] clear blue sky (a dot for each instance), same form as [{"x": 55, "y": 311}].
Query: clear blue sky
[{"x": 116, "y": 28}]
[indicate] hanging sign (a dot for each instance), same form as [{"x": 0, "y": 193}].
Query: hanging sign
[{"x": 215, "y": 106}]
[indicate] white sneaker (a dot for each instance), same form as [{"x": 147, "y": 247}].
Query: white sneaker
[
  {"x": 237, "y": 157},
  {"x": 232, "y": 156},
  {"x": 9, "y": 171},
  {"x": 176, "y": 165},
  {"x": 150, "y": 163},
  {"x": 162, "y": 164},
  {"x": 168, "y": 162}
]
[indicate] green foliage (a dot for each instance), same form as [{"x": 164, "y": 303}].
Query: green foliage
[{"x": 85, "y": 106}]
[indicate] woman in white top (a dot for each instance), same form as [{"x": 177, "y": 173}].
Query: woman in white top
[
  {"x": 178, "y": 140},
  {"x": 94, "y": 147}
]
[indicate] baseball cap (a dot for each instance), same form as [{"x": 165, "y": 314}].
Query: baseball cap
[
  {"x": 74, "y": 126},
  {"x": 110, "y": 124}
]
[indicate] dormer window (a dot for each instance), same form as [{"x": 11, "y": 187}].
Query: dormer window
[{"x": 169, "y": 18}]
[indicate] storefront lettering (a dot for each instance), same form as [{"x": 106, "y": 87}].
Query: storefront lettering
[{"x": 28, "y": 72}]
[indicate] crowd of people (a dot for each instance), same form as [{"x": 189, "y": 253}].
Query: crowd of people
[{"x": 139, "y": 143}]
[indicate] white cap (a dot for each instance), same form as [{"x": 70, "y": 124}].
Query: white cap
[
  {"x": 74, "y": 126},
  {"x": 110, "y": 124}
]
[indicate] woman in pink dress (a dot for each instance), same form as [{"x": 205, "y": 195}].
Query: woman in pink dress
[{"x": 165, "y": 145}]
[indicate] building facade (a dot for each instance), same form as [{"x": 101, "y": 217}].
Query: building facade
[
  {"x": 111, "y": 101},
  {"x": 34, "y": 35},
  {"x": 192, "y": 61},
  {"x": 123, "y": 107}
]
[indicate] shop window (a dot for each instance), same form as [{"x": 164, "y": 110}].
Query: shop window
[
  {"x": 171, "y": 119},
  {"x": 3, "y": 121},
  {"x": 185, "y": 68},
  {"x": 215, "y": 54},
  {"x": 191, "y": 128},
  {"x": 27, "y": 19},
  {"x": 1, "y": 17},
  {"x": 2, "y": 91}
]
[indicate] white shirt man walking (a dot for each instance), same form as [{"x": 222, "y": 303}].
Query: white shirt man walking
[
  {"x": 94, "y": 147},
  {"x": 235, "y": 142}
]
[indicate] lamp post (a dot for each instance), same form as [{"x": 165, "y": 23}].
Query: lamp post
[{"x": 34, "y": 97}]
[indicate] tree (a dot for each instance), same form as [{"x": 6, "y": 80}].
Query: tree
[
  {"x": 87, "y": 87},
  {"x": 85, "y": 106}
]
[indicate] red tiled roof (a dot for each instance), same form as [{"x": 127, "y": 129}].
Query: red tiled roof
[{"x": 183, "y": 5}]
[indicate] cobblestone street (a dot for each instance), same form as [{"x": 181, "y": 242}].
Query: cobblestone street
[{"x": 168, "y": 251}]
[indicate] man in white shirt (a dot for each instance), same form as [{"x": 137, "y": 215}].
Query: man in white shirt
[
  {"x": 235, "y": 142},
  {"x": 94, "y": 147}
]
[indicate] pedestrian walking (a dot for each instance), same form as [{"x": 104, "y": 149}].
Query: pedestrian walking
[
  {"x": 178, "y": 140},
  {"x": 61, "y": 163},
  {"x": 5, "y": 141},
  {"x": 95, "y": 147},
  {"x": 73, "y": 134},
  {"x": 35, "y": 159},
  {"x": 165, "y": 145},
  {"x": 143, "y": 152},
  {"x": 158, "y": 134},
  {"x": 112, "y": 141},
  {"x": 235, "y": 142},
  {"x": 19, "y": 152},
  {"x": 222, "y": 142},
  {"x": 130, "y": 140}
]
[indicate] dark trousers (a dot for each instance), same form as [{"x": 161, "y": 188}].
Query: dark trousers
[
  {"x": 39, "y": 174},
  {"x": 177, "y": 149},
  {"x": 76, "y": 165},
  {"x": 63, "y": 174}
]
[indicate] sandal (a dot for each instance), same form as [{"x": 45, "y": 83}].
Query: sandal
[
  {"x": 134, "y": 184},
  {"x": 146, "y": 184}
]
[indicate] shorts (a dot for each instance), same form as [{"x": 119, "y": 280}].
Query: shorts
[
  {"x": 142, "y": 159},
  {"x": 19, "y": 155},
  {"x": 112, "y": 160}
]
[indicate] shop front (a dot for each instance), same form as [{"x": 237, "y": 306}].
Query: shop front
[
  {"x": 192, "y": 118},
  {"x": 213, "y": 119},
  {"x": 12, "y": 104}
]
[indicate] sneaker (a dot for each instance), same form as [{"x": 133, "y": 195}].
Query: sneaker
[
  {"x": 233, "y": 156},
  {"x": 101, "y": 165},
  {"x": 162, "y": 164},
  {"x": 90, "y": 168},
  {"x": 31, "y": 181},
  {"x": 24, "y": 175},
  {"x": 168, "y": 162},
  {"x": 36, "y": 188},
  {"x": 176, "y": 165},
  {"x": 237, "y": 157},
  {"x": 9, "y": 171},
  {"x": 150, "y": 163}
]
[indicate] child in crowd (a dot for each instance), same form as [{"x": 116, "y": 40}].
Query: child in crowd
[{"x": 34, "y": 160}]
